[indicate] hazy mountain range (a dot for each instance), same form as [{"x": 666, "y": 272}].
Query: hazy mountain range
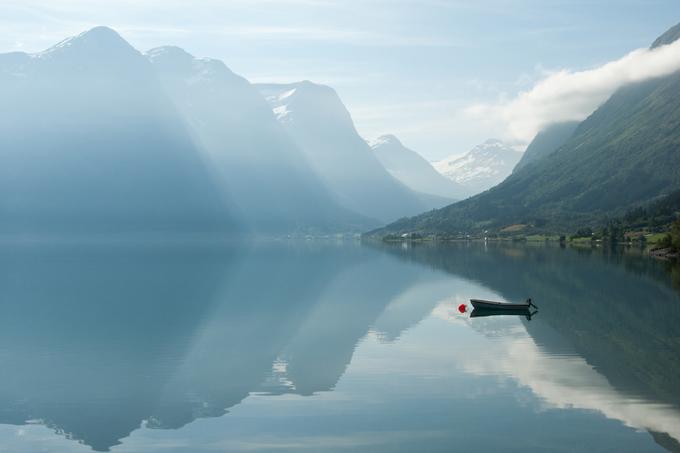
[
  {"x": 624, "y": 155},
  {"x": 104, "y": 139},
  {"x": 92, "y": 144},
  {"x": 320, "y": 125},
  {"x": 255, "y": 162},
  {"x": 413, "y": 170}
]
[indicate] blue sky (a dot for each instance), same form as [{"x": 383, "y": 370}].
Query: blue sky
[{"x": 412, "y": 68}]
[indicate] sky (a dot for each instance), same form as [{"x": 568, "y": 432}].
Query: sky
[{"x": 441, "y": 75}]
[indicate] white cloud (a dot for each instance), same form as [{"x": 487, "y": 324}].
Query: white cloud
[{"x": 573, "y": 95}]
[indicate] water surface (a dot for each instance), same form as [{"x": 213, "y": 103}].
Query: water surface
[{"x": 335, "y": 347}]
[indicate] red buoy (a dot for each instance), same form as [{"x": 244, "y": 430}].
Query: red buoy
[{"x": 462, "y": 308}]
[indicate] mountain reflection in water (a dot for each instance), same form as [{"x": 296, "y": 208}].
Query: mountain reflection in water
[{"x": 334, "y": 346}]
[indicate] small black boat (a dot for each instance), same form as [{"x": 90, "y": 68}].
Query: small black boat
[
  {"x": 491, "y": 305},
  {"x": 483, "y": 312}
]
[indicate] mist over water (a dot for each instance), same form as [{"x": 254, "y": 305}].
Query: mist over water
[{"x": 333, "y": 345}]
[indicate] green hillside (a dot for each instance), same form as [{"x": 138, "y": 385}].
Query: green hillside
[
  {"x": 547, "y": 142},
  {"x": 625, "y": 155}
]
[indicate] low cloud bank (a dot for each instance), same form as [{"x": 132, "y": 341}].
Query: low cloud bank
[{"x": 569, "y": 96}]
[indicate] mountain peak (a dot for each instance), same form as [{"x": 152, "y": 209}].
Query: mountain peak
[
  {"x": 96, "y": 42},
  {"x": 101, "y": 33},
  {"x": 177, "y": 61},
  {"x": 312, "y": 88},
  {"x": 169, "y": 52},
  {"x": 493, "y": 145},
  {"x": 412, "y": 169},
  {"x": 305, "y": 98},
  {"x": 668, "y": 37},
  {"x": 302, "y": 88},
  {"x": 493, "y": 142},
  {"x": 171, "y": 58}
]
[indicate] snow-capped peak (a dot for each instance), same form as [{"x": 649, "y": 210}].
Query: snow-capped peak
[
  {"x": 169, "y": 53},
  {"x": 484, "y": 166}
]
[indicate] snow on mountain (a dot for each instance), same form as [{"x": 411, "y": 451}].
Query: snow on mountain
[
  {"x": 483, "y": 167},
  {"x": 412, "y": 169}
]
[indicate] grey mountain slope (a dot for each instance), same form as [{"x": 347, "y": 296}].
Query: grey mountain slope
[
  {"x": 546, "y": 142},
  {"x": 670, "y": 36},
  {"x": 270, "y": 179},
  {"x": 413, "y": 170},
  {"x": 622, "y": 156},
  {"x": 321, "y": 126},
  {"x": 92, "y": 145}
]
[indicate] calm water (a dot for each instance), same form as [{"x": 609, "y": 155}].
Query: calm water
[{"x": 335, "y": 347}]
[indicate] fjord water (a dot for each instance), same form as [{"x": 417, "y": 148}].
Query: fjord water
[{"x": 325, "y": 346}]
